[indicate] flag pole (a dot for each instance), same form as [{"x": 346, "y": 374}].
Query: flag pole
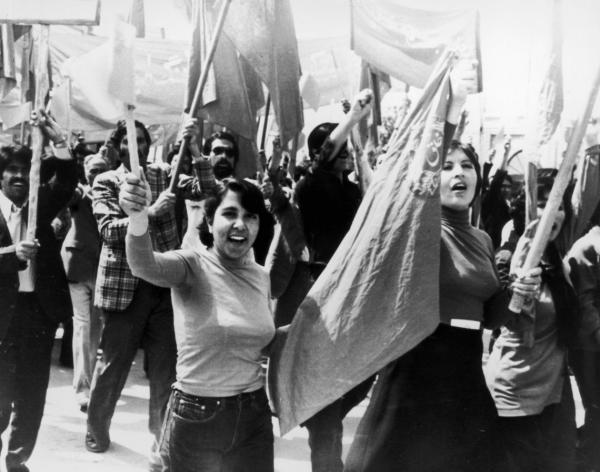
[
  {"x": 542, "y": 234},
  {"x": 37, "y": 136},
  {"x": 263, "y": 137},
  {"x": 199, "y": 89}
]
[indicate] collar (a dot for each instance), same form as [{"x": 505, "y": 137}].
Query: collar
[{"x": 6, "y": 206}]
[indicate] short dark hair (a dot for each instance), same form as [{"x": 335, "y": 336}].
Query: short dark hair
[
  {"x": 121, "y": 131},
  {"x": 317, "y": 137},
  {"x": 206, "y": 148},
  {"x": 251, "y": 199},
  {"x": 14, "y": 152}
]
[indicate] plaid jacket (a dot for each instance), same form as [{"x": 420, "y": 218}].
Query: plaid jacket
[{"x": 115, "y": 283}]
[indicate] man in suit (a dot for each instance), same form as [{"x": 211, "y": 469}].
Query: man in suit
[
  {"x": 135, "y": 312},
  {"x": 80, "y": 253},
  {"x": 33, "y": 291}
]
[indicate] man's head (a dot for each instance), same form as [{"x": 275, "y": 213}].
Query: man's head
[
  {"x": 119, "y": 141},
  {"x": 94, "y": 165},
  {"x": 223, "y": 151},
  {"x": 341, "y": 162},
  {"x": 15, "y": 162}
]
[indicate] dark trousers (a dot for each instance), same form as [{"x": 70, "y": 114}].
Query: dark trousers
[
  {"x": 325, "y": 430},
  {"x": 148, "y": 323},
  {"x": 25, "y": 355},
  {"x": 586, "y": 367},
  {"x": 205, "y": 434},
  {"x": 540, "y": 443}
]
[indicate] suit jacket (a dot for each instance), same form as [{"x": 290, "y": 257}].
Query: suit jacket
[
  {"x": 115, "y": 284},
  {"x": 81, "y": 247},
  {"x": 50, "y": 280}
]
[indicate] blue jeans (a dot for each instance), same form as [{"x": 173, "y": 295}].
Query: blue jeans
[{"x": 206, "y": 434}]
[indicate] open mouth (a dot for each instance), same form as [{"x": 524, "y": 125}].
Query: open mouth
[
  {"x": 458, "y": 187},
  {"x": 237, "y": 239}
]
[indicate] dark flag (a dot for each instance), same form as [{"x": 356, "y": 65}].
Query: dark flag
[{"x": 379, "y": 295}]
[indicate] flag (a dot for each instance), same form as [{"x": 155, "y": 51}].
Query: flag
[
  {"x": 136, "y": 18},
  {"x": 310, "y": 91},
  {"x": 379, "y": 295},
  {"x": 14, "y": 114},
  {"x": 547, "y": 111},
  {"x": 232, "y": 93},
  {"x": 263, "y": 32},
  {"x": 121, "y": 65},
  {"x": 8, "y": 70},
  {"x": 103, "y": 77},
  {"x": 406, "y": 43}
]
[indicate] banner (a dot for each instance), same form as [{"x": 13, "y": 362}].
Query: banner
[
  {"x": 407, "y": 43},
  {"x": 379, "y": 295}
]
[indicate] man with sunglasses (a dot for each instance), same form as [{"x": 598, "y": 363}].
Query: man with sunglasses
[{"x": 224, "y": 153}]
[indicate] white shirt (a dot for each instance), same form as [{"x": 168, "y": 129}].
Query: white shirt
[{"x": 17, "y": 227}]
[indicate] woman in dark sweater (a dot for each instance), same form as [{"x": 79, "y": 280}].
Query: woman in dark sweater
[{"x": 431, "y": 410}]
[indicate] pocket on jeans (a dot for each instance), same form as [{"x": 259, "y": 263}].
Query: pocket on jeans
[{"x": 197, "y": 411}]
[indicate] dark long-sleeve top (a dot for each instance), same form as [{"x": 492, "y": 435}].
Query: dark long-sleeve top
[
  {"x": 495, "y": 211},
  {"x": 470, "y": 288},
  {"x": 583, "y": 263}
]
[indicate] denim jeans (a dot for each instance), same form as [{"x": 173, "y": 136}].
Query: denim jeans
[{"x": 206, "y": 434}]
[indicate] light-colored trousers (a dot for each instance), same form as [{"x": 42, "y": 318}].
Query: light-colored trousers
[{"x": 87, "y": 329}]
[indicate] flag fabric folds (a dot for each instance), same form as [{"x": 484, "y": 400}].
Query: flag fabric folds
[
  {"x": 406, "y": 43},
  {"x": 102, "y": 77},
  {"x": 136, "y": 17},
  {"x": 8, "y": 70},
  {"x": 231, "y": 95},
  {"x": 379, "y": 295},
  {"x": 263, "y": 32},
  {"x": 548, "y": 109}
]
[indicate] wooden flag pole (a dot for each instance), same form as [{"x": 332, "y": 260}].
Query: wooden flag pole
[
  {"x": 134, "y": 158},
  {"x": 376, "y": 109},
  {"x": 542, "y": 234},
  {"x": 37, "y": 136},
  {"x": 263, "y": 137},
  {"x": 196, "y": 102}
]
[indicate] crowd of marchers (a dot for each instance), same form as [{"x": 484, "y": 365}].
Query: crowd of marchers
[{"x": 206, "y": 276}]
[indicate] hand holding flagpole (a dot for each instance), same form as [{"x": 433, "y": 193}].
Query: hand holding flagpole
[
  {"x": 542, "y": 235},
  {"x": 197, "y": 100}
]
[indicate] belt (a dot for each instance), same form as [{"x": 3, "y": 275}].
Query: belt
[
  {"x": 465, "y": 324},
  {"x": 235, "y": 399}
]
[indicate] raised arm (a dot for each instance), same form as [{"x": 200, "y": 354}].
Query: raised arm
[{"x": 163, "y": 269}]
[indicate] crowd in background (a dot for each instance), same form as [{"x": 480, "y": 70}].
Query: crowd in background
[{"x": 205, "y": 280}]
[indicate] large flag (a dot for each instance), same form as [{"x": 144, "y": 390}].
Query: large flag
[
  {"x": 95, "y": 82},
  {"x": 548, "y": 109},
  {"x": 407, "y": 43},
  {"x": 263, "y": 32},
  {"x": 379, "y": 295},
  {"x": 232, "y": 94}
]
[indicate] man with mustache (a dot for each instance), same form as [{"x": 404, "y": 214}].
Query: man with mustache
[
  {"x": 223, "y": 154},
  {"x": 135, "y": 312},
  {"x": 33, "y": 289}
]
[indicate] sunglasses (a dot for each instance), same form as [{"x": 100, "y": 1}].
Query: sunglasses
[{"x": 229, "y": 152}]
